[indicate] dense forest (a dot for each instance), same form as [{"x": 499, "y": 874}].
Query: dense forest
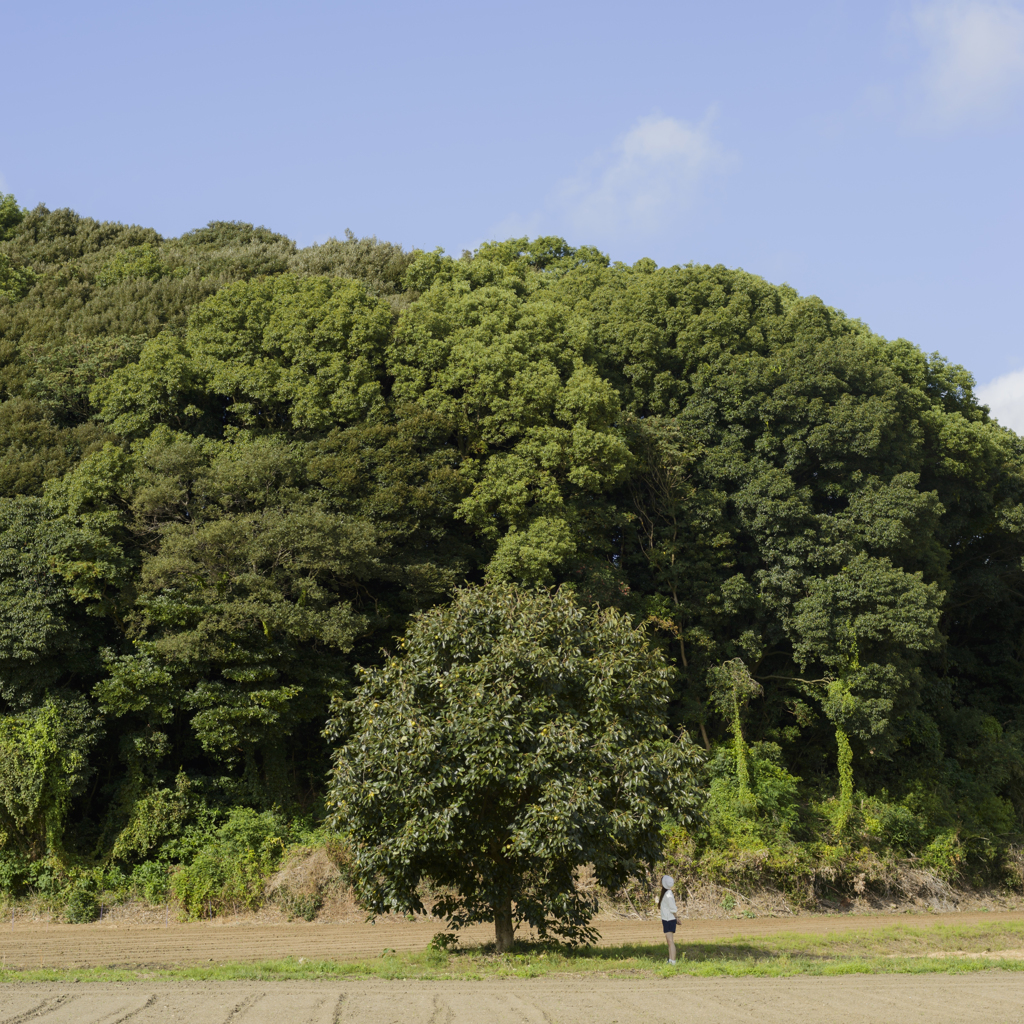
[{"x": 232, "y": 469}]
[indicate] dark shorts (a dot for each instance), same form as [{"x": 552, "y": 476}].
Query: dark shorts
[{"x": 669, "y": 926}]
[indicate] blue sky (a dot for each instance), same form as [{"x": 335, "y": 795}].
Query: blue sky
[{"x": 867, "y": 152}]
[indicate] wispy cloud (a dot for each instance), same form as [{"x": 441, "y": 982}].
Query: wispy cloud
[
  {"x": 1005, "y": 397},
  {"x": 642, "y": 184},
  {"x": 652, "y": 173},
  {"x": 974, "y": 58}
]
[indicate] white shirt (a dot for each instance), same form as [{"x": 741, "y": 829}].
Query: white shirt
[{"x": 668, "y": 906}]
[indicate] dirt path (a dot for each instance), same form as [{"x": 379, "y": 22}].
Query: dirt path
[
  {"x": 103, "y": 945},
  {"x": 996, "y": 998}
]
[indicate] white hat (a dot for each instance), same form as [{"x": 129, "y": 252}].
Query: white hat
[{"x": 667, "y": 881}]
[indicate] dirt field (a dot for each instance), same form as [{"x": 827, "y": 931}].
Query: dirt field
[
  {"x": 992, "y": 997},
  {"x": 996, "y": 998},
  {"x": 31, "y": 945}
]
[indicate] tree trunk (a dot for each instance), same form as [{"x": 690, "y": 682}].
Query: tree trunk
[
  {"x": 707, "y": 742},
  {"x": 504, "y": 933}
]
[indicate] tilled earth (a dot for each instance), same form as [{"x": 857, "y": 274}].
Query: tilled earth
[
  {"x": 993, "y": 998},
  {"x": 29, "y": 945}
]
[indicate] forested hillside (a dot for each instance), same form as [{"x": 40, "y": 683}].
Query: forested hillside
[{"x": 232, "y": 469}]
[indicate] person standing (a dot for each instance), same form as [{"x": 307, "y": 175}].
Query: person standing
[{"x": 667, "y": 906}]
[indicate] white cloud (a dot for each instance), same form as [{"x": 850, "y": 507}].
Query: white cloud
[
  {"x": 651, "y": 174},
  {"x": 974, "y": 57},
  {"x": 1005, "y": 397},
  {"x": 641, "y": 185}
]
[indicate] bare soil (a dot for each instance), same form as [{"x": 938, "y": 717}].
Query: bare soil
[
  {"x": 27, "y": 944},
  {"x": 992, "y": 998}
]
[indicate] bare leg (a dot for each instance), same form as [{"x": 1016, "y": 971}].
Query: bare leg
[{"x": 671, "y": 940}]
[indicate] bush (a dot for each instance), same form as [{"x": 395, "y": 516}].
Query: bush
[
  {"x": 14, "y": 872},
  {"x": 900, "y": 828},
  {"x": 151, "y": 881},
  {"x": 944, "y": 855},
  {"x": 230, "y": 872},
  {"x": 299, "y": 904},
  {"x": 82, "y": 904},
  {"x": 46, "y": 876}
]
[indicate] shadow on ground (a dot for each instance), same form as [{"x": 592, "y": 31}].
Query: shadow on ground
[{"x": 692, "y": 951}]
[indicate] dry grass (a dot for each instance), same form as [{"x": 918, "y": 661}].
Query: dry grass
[
  {"x": 304, "y": 873},
  {"x": 902, "y": 889}
]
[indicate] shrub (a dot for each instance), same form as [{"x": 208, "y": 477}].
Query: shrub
[
  {"x": 299, "y": 904},
  {"x": 151, "y": 881},
  {"x": 14, "y": 871},
  {"x": 231, "y": 871},
  {"x": 944, "y": 855},
  {"x": 901, "y": 828},
  {"x": 82, "y": 902}
]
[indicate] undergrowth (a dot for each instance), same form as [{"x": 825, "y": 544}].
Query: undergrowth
[
  {"x": 224, "y": 867},
  {"x": 762, "y": 830}
]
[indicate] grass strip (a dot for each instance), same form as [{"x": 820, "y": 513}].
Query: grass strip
[{"x": 407, "y": 969}]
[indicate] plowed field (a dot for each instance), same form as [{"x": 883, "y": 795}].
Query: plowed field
[
  {"x": 995, "y": 998},
  {"x": 182, "y": 945}
]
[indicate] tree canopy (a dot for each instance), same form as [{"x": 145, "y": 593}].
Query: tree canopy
[{"x": 233, "y": 471}]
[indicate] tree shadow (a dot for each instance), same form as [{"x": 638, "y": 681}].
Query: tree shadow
[{"x": 693, "y": 952}]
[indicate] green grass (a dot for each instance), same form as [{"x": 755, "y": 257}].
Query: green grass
[{"x": 901, "y": 949}]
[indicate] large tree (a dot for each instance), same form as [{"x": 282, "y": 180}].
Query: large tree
[{"x": 513, "y": 738}]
